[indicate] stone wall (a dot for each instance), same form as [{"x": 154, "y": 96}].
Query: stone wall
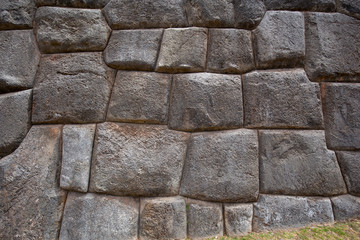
[{"x": 168, "y": 119}]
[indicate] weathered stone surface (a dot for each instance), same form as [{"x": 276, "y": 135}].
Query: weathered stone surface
[
  {"x": 183, "y": 50},
  {"x": 349, "y": 7},
  {"x": 73, "y": 3},
  {"x": 140, "y": 97},
  {"x": 162, "y": 218},
  {"x": 70, "y": 30},
  {"x": 238, "y": 219},
  {"x": 15, "y": 112},
  {"x": 31, "y": 202},
  {"x": 123, "y": 14},
  {"x": 346, "y": 207},
  {"x": 298, "y": 163},
  {"x": 301, "y": 5},
  {"x": 350, "y": 166},
  {"x": 332, "y": 43},
  {"x": 222, "y": 166},
  {"x": 281, "y": 99},
  {"x": 204, "y": 219},
  {"x": 205, "y": 101},
  {"x": 341, "y": 114},
  {"x": 249, "y": 13},
  {"x": 91, "y": 217},
  {"x": 137, "y": 160},
  {"x": 133, "y": 49},
  {"x": 280, "y": 40},
  {"x": 277, "y": 212},
  {"x": 230, "y": 51},
  {"x": 76, "y": 156},
  {"x": 72, "y": 88},
  {"x": 19, "y": 57},
  {"x": 17, "y": 14},
  {"x": 45, "y": 2}
]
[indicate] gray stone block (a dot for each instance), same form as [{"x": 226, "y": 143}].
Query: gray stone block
[
  {"x": 249, "y": 13},
  {"x": 349, "y": 164},
  {"x": 222, "y": 166},
  {"x": 346, "y": 207},
  {"x": 301, "y": 5},
  {"x": 141, "y": 97},
  {"x": 73, "y": 3},
  {"x": 91, "y": 217},
  {"x": 17, "y": 14},
  {"x": 72, "y": 88},
  {"x": 349, "y": 7},
  {"x": 70, "y": 30},
  {"x": 205, "y": 101},
  {"x": 238, "y": 219}
]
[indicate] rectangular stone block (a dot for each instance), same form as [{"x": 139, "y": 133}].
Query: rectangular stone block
[
  {"x": 346, "y": 207},
  {"x": 350, "y": 166},
  {"x": 73, "y": 3},
  {"x": 238, "y": 219},
  {"x": 249, "y": 13},
  {"x": 17, "y": 14}
]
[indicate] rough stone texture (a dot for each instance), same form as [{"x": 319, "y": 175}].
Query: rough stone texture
[
  {"x": 350, "y": 166},
  {"x": 133, "y": 49},
  {"x": 183, "y": 50},
  {"x": 15, "y": 112},
  {"x": 72, "y": 88},
  {"x": 249, "y": 13},
  {"x": 349, "y": 7},
  {"x": 123, "y": 14},
  {"x": 298, "y": 163},
  {"x": 205, "y": 101},
  {"x": 140, "y": 97},
  {"x": 281, "y": 99},
  {"x": 31, "y": 202},
  {"x": 280, "y": 40},
  {"x": 19, "y": 57},
  {"x": 17, "y": 14},
  {"x": 70, "y": 30},
  {"x": 342, "y": 113},
  {"x": 92, "y": 217},
  {"x": 277, "y": 212},
  {"x": 332, "y": 44},
  {"x": 346, "y": 207},
  {"x": 238, "y": 219},
  {"x": 162, "y": 218},
  {"x": 301, "y": 5},
  {"x": 76, "y": 156},
  {"x": 230, "y": 51},
  {"x": 222, "y": 166},
  {"x": 73, "y": 3},
  {"x": 137, "y": 160}
]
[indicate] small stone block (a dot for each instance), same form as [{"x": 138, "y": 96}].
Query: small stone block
[
  {"x": 346, "y": 207},
  {"x": 350, "y": 7},
  {"x": 350, "y": 166},
  {"x": 249, "y": 13},
  {"x": 16, "y": 14},
  {"x": 238, "y": 219}
]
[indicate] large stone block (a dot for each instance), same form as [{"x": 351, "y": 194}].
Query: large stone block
[
  {"x": 350, "y": 7},
  {"x": 19, "y": 57},
  {"x": 230, "y": 51},
  {"x": 301, "y": 5},
  {"x": 183, "y": 50},
  {"x": 222, "y": 166},
  {"x": 70, "y": 30},
  {"x": 238, "y": 219},
  {"x": 249, "y": 13},
  {"x": 72, "y": 88},
  {"x": 341, "y": 114},
  {"x": 350, "y": 166},
  {"x": 140, "y": 97},
  {"x": 91, "y": 217},
  {"x": 133, "y": 49},
  {"x": 280, "y": 40},
  {"x": 137, "y": 160},
  {"x": 122, "y": 14},
  {"x": 346, "y": 207},
  {"x": 31, "y": 202},
  {"x": 17, "y": 14},
  {"x": 15, "y": 112},
  {"x": 278, "y": 212},
  {"x": 205, "y": 101},
  {"x": 73, "y": 3},
  {"x": 332, "y": 42},
  {"x": 298, "y": 163}
]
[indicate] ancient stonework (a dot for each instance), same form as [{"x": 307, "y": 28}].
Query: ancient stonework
[
  {"x": 249, "y": 13},
  {"x": 346, "y": 207},
  {"x": 350, "y": 167},
  {"x": 73, "y": 3},
  {"x": 238, "y": 219},
  {"x": 301, "y": 5},
  {"x": 17, "y": 14}
]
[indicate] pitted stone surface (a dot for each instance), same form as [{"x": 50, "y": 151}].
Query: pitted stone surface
[
  {"x": 140, "y": 97},
  {"x": 122, "y": 14},
  {"x": 350, "y": 166},
  {"x": 73, "y": 3},
  {"x": 137, "y": 160},
  {"x": 341, "y": 114},
  {"x": 162, "y": 218},
  {"x": 72, "y": 88},
  {"x": 133, "y": 49},
  {"x": 280, "y": 40},
  {"x": 183, "y": 50},
  {"x": 205, "y": 101},
  {"x": 17, "y": 14},
  {"x": 31, "y": 202},
  {"x": 332, "y": 44},
  {"x": 15, "y": 112},
  {"x": 278, "y": 212},
  {"x": 92, "y": 217},
  {"x": 350, "y": 7},
  {"x": 19, "y": 57},
  {"x": 70, "y": 30},
  {"x": 222, "y": 166},
  {"x": 238, "y": 219},
  {"x": 230, "y": 51},
  {"x": 346, "y": 207},
  {"x": 281, "y": 99},
  {"x": 249, "y": 13},
  {"x": 76, "y": 156},
  {"x": 301, "y": 5}
]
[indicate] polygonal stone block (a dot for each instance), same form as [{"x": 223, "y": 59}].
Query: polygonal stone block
[
  {"x": 238, "y": 219},
  {"x": 17, "y": 14},
  {"x": 349, "y": 7},
  {"x": 249, "y": 13},
  {"x": 301, "y": 5},
  {"x": 350, "y": 166},
  {"x": 346, "y": 207},
  {"x": 73, "y": 3}
]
